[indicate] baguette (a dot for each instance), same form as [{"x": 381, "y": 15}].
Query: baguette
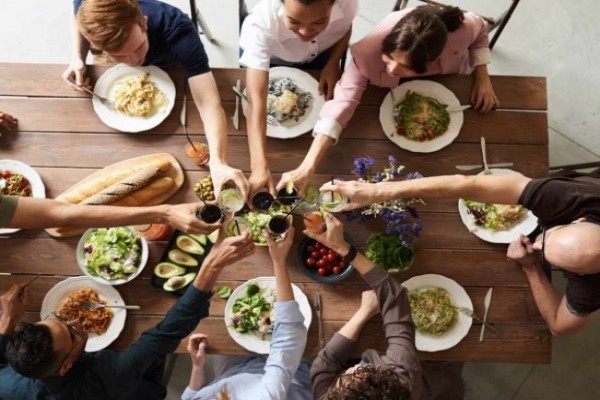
[
  {"x": 123, "y": 188},
  {"x": 144, "y": 195},
  {"x": 87, "y": 189}
]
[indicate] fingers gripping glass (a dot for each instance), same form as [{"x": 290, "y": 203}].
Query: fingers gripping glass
[{"x": 76, "y": 335}]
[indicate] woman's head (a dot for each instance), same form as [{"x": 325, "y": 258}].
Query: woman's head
[
  {"x": 368, "y": 382},
  {"x": 307, "y": 18},
  {"x": 418, "y": 38}
]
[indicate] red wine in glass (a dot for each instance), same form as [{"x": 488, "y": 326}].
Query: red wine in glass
[
  {"x": 286, "y": 198},
  {"x": 279, "y": 224},
  {"x": 262, "y": 200},
  {"x": 210, "y": 213}
]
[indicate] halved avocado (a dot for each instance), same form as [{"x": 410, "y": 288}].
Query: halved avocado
[
  {"x": 168, "y": 270},
  {"x": 189, "y": 245},
  {"x": 213, "y": 237},
  {"x": 178, "y": 282},
  {"x": 183, "y": 258},
  {"x": 201, "y": 238}
]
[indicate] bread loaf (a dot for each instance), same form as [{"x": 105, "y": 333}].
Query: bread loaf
[
  {"x": 144, "y": 195},
  {"x": 123, "y": 188}
]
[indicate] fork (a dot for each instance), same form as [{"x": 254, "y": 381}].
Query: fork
[
  {"x": 105, "y": 102},
  {"x": 395, "y": 111},
  {"x": 270, "y": 119},
  {"x": 90, "y": 305},
  {"x": 469, "y": 313}
]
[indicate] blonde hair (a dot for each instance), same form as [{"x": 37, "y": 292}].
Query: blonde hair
[{"x": 106, "y": 24}]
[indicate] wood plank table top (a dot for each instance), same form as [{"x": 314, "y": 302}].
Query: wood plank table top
[{"x": 63, "y": 139}]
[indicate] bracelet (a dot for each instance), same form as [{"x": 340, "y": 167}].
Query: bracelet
[{"x": 351, "y": 255}]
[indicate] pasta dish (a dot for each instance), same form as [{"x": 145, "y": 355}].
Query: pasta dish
[
  {"x": 137, "y": 96},
  {"x": 421, "y": 118},
  {"x": 285, "y": 102},
  {"x": 495, "y": 217},
  {"x": 432, "y": 311},
  {"x": 13, "y": 184},
  {"x": 91, "y": 321}
]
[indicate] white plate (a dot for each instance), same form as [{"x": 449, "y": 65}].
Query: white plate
[
  {"x": 120, "y": 121},
  {"x": 525, "y": 226},
  {"x": 306, "y": 83},
  {"x": 427, "y": 88},
  {"x": 59, "y": 293},
  {"x": 250, "y": 341},
  {"x": 37, "y": 186},
  {"x": 143, "y": 259},
  {"x": 458, "y": 296}
]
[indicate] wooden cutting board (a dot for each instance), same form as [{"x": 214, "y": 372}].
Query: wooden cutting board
[{"x": 175, "y": 172}]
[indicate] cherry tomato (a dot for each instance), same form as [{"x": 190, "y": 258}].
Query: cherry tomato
[
  {"x": 5, "y": 173},
  {"x": 322, "y": 271},
  {"x": 343, "y": 264},
  {"x": 337, "y": 269},
  {"x": 311, "y": 262},
  {"x": 323, "y": 251},
  {"x": 310, "y": 249},
  {"x": 331, "y": 257},
  {"x": 318, "y": 246},
  {"x": 27, "y": 191},
  {"x": 321, "y": 263},
  {"x": 315, "y": 255},
  {"x": 24, "y": 181}
]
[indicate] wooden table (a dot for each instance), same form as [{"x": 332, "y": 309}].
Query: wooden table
[{"x": 62, "y": 138}]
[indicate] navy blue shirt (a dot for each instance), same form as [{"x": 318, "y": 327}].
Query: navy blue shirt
[
  {"x": 172, "y": 37},
  {"x": 108, "y": 374}
]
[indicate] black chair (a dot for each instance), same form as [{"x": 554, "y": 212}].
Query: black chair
[
  {"x": 493, "y": 23},
  {"x": 199, "y": 21}
]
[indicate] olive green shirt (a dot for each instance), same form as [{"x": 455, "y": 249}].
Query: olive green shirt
[{"x": 8, "y": 205}]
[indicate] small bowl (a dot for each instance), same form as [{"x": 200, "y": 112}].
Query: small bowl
[
  {"x": 142, "y": 263},
  {"x": 311, "y": 273}
]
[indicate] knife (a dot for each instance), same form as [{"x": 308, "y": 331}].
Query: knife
[
  {"x": 478, "y": 166},
  {"x": 236, "y": 116},
  {"x": 459, "y": 108},
  {"x": 469, "y": 313},
  {"x": 319, "y": 320},
  {"x": 487, "y": 301}
]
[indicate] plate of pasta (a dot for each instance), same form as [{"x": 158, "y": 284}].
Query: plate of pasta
[
  {"x": 419, "y": 120},
  {"x": 142, "y": 96},
  {"x": 293, "y": 100},
  {"x": 102, "y": 325},
  {"x": 434, "y": 301},
  {"x": 19, "y": 179}
]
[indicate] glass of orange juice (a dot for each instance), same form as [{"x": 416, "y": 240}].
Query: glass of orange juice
[
  {"x": 198, "y": 151},
  {"x": 313, "y": 221}
]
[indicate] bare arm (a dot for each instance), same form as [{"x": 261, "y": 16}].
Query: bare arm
[
  {"x": 331, "y": 73},
  {"x": 257, "y": 83},
  {"x": 206, "y": 96},
  {"x": 80, "y": 48}
]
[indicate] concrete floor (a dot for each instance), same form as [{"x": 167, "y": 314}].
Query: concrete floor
[{"x": 544, "y": 38}]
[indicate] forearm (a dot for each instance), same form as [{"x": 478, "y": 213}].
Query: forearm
[
  {"x": 257, "y": 82},
  {"x": 196, "y": 378},
  {"x": 282, "y": 282},
  {"x": 351, "y": 329},
  {"x": 80, "y": 44},
  {"x": 339, "y": 48},
  {"x": 208, "y": 274},
  {"x": 361, "y": 263},
  {"x": 481, "y": 72},
  {"x": 7, "y": 325},
  {"x": 544, "y": 295},
  {"x": 34, "y": 213},
  {"x": 318, "y": 149}
]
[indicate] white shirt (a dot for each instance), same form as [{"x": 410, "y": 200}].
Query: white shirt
[{"x": 264, "y": 36}]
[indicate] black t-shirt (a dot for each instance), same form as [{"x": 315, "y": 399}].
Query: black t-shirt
[
  {"x": 560, "y": 201},
  {"x": 172, "y": 37}
]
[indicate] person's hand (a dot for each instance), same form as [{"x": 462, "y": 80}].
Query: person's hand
[
  {"x": 229, "y": 250},
  {"x": 77, "y": 71},
  {"x": 279, "y": 250},
  {"x": 522, "y": 252},
  {"x": 183, "y": 217},
  {"x": 483, "y": 97},
  {"x": 261, "y": 178},
  {"x": 14, "y": 304},
  {"x": 333, "y": 237},
  {"x": 369, "y": 305},
  {"x": 300, "y": 176},
  {"x": 222, "y": 173},
  {"x": 329, "y": 77},
  {"x": 197, "y": 344},
  {"x": 359, "y": 194},
  {"x": 8, "y": 122}
]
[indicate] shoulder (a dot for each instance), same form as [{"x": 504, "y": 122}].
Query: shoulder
[{"x": 371, "y": 43}]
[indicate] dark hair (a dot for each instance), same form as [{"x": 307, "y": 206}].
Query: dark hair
[
  {"x": 309, "y": 2},
  {"x": 29, "y": 351},
  {"x": 368, "y": 382},
  {"x": 423, "y": 33}
]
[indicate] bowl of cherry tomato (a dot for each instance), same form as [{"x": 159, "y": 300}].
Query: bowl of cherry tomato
[{"x": 320, "y": 263}]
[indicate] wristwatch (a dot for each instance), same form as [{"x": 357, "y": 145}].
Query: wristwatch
[{"x": 351, "y": 255}]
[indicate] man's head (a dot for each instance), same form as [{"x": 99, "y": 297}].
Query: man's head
[
  {"x": 307, "y": 18},
  {"x": 574, "y": 247},
  {"x": 45, "y": 349},
  {"x": 368, "y": 382},
  {"x": 116, "y": 27}
]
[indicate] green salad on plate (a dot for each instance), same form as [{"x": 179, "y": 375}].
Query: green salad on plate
[{"x": 112, "y": 253}]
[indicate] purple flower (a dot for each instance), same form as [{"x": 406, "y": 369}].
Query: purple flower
[
  {"x": 412, "y": 175},
  {"x": 392, "y": 160},
  {"x": 378, "y": 177}
]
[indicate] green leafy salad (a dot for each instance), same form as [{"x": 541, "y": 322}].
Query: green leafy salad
[
  {"x": 387, "y": 252},
  {"x": 495, "y": 217},
  {"x": 257, "y": 221},
  {"x": 253, "y": 313},
  {"x": 112, "y": 253},
  {"x": 421, "y": 118},
  {"x": 432, "y": 311}
]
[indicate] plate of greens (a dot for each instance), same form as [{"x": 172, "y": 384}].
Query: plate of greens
[
  {"x": 419, "y": 121},
  {"x": 112, "y": 256},
  {"x": 434, "y": 300},
  {"x": 249, "y": 314}
]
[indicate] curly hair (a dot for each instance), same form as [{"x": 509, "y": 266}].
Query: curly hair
[
  {"x": 423, "y": 33},
  {"x": 29, "y": 351},
  {"x": 368, "y": 382},
  {"x": 107, "y": 24}
]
